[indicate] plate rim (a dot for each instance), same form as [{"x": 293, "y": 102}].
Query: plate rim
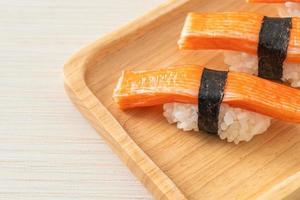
[{"x": 134, "y": 157}]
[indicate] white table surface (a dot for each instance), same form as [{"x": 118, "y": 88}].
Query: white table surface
[{"x": 47, "y": 149}]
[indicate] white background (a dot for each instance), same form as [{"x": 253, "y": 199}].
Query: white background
[{"x": 47, "y": 149}]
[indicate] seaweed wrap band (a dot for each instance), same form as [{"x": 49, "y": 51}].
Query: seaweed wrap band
[
  {"x": 273, "y": 43},
  {"x": 210, "y": 97}
]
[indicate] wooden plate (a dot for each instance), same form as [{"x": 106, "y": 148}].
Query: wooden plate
[{"x": 170, "y": 163}]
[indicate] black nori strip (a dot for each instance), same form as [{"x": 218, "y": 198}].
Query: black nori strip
[
  {"x": 272, "y": 47},
  {"x": 210, "y": 97}
]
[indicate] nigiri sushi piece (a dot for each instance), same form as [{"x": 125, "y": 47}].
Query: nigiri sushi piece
[
  {"x": 265, "y": 46},
  {"x": 236, "y": 106},
  {"x": 285, "y": 7}
]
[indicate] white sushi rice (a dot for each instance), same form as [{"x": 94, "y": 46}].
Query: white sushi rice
[
  {"x": 290, "y": 9},
  {"x": 235, "y": 124},
  {"x": 185, "y": 115},
  {"x": 243, "y": 62}
]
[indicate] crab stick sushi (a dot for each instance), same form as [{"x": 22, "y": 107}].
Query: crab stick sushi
[
  {"x": 265, "y": 46},
  {"x": 285, "y": 7},
  {"x": 235, "y": 106}
]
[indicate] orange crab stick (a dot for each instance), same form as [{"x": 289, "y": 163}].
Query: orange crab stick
[
  {"x": 238, "y": 31},
  {"x": 181, "y": 84},
  {"x": 271, "y": 1}
]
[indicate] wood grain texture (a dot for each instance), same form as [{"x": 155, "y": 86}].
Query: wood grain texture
[
  {"x": 48, "y": 150},
  {"x": 173, "y": 165}
]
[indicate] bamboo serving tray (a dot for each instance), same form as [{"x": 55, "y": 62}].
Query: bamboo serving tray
[{"x": 170, "y": 163}]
